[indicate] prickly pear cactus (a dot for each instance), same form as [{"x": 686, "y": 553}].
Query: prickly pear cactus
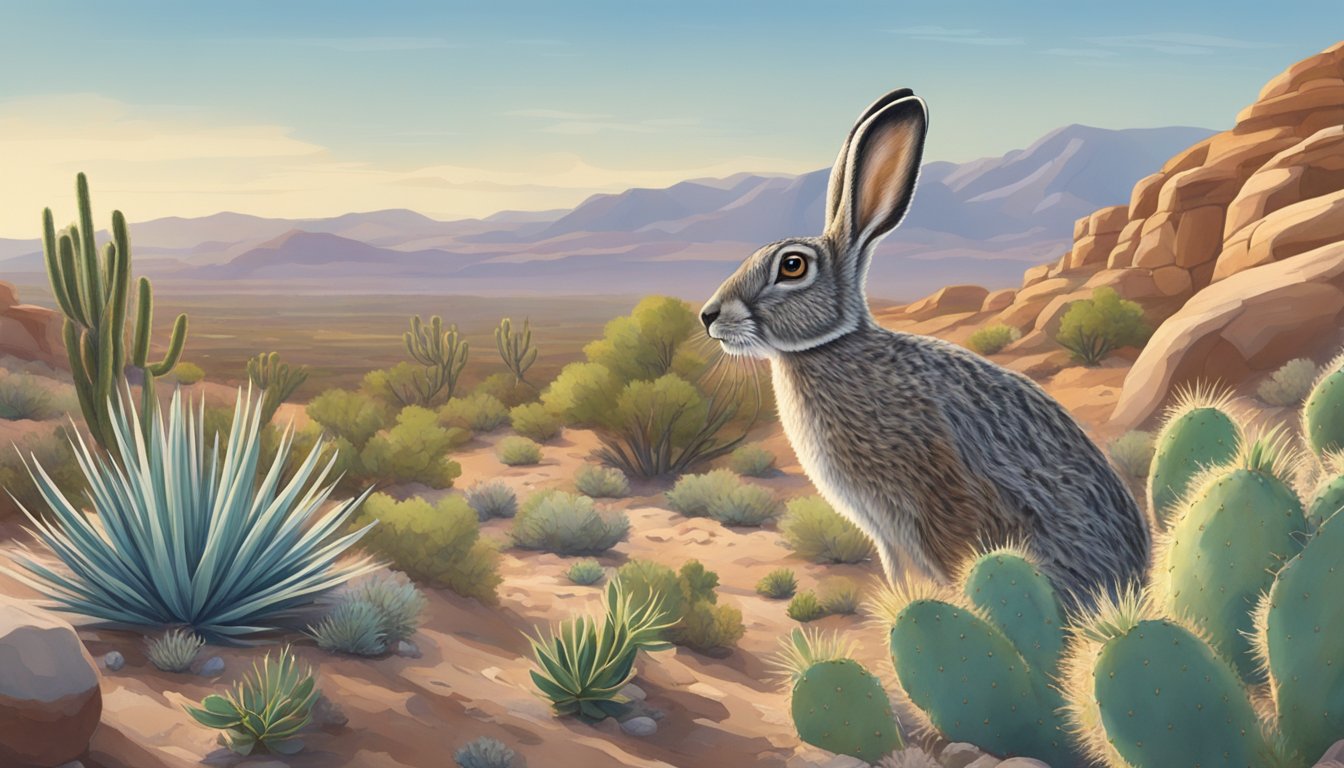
[
  {"x": 1197, "y": 434},
  {"x": 1301, "y": 638},
  {"x": 838, "y": 706},
  {"x": 1328, "y": 499},
  {"x": 1164, "y": 698},
  {"x": 1323, "y": 412},
  {"x": 1225, "y": 545},
  {"x": 982, "y": 672}
]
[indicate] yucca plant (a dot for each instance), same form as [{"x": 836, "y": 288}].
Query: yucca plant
[
  {"x": 587, "y": 660},
  {"x": 174, "y": 651},
  {"x": 267, "y": 708},
  {"x": 185, "y": 536}
]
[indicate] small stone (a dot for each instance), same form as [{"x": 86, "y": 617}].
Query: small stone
[
  {"x": 408, "y": 649},
  {"x": 640, "y": 726},
  {"x": 632, "y": 691},
  {"x": 1022, "y": 762},
  {"x": 213, "y": 667},
  {"x": 113, "y": 661},
  {"x": 986, "y": 761},
  {"x": 959, "y": 755}
]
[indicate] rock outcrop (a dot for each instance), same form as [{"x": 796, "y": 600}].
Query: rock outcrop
[
  {"x": 50, "y": 701},
  {"x": 30, "y": 332}
]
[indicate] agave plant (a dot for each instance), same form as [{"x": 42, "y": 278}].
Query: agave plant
[
  {"x": 187, "y": 537},
  {"x": 586, "y": 661},
  {"x": 265, "y": 709}
]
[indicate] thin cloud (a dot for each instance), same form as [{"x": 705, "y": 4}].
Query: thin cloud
[
  {"x": 937, "y": 34},
  {"x": 1178, "y": 43}
]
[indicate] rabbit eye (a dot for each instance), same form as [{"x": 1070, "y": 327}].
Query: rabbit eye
[{"x": 792, "y": 267}]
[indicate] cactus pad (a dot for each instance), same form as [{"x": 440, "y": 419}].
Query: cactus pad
[
  {"x": 1198, "y": 438},
  {"x": 1014, "y": 594},
  {"x": 838, "y": 706},
  {"x": 1323, "y": 414}
]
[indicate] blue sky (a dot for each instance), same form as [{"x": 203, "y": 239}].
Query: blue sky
[{"x": 307, "y": 109}]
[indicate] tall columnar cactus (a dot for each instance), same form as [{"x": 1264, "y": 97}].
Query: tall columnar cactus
[
  {"x": 981, "y": 665},
  {"x": 516, "y": 349},
  {"x": 93, "y": 294},
  {"x": 1323, "y": 411},
  {"x": 276, "y": 380},
  {"x": 837, "y": 704},
  {"x": 442, "y": 353},
  {"x": 1234, "y": 532},
  {"x": 1198, "y": 433}
]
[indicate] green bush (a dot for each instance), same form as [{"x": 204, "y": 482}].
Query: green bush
[
  {"x": 518, "y": 451},
  {"x": 689, "y": 601},
  {"x": 413, "y": 451},
  {"x": 175, "y": 650},
  {"x": 840, "y": 595},
  {"x": 656, "y": 406},
  {"x": 568, "y": 524},
  {"x": 506, "y": 390},
  {"x": 815, "y": 531},
  {"x": 188, "y": 373},
  {"x": 352, "y": 416},
  {"x": 492, "y": 499},
  {"x": 534, "y": 421},
  {"x": 1092, "y": 328},
  {"x": 439, "y": 545},
  {"x": 268, "y": 708},
  {"x": 805, "y": 607},
  {"x": 746, "y": 505},
  {"x": 993, "y": 338},
  {"x": 395, "y": 599},
  {"x": 55, "y": 454},
  {"x": 484, "y": 752},
  {"x": 352, "y": 627},
  {"x": 777, "y": 584},
  {"x": 693, "y": 494},
  {"x": 476, "y": 413},
  {"x": 752, "y": 460},
  {"x": 585, "y": 572},
  {"x": 1290, "y": 384},
  {"x": 1132, "y": 452},
  {"x": 601, "y": 482},
  {"x": 24, "y": 396}
]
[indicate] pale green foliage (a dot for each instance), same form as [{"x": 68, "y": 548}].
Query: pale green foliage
[
  {"x": 601, "y": 482},
  {"x": 506, "y": 390},
  {"x": 1092, "y": 328},
  {"x": 352, "y": 627},
  {"x": 484, "y": 752},
  {"x": 752, "y": 460},
  {"x": 397, "y": 601},
  {"x": 817, "y": 532},
  {"x": 585, "y": 572},
  {"x": 777, "y": 584},
  {"x": 693, "y": 494},
  {"x": 268, "y": 708},
  {"x": 25, "y": 396},
  {"x": 1290, "y": 384},
  {"x": 492, "y": 499},
  {"x": 478, "y": 412},
  {"x": 54, "y": 453},
  {"x": 353, "y": 416},
  {"x": 840, "y": 595},
  {"x": 806, "y": 607},
  {"x": 518, "y": 451},
  {"x": 745, "y": 505},
  {"x": 174, "y": 650},
  {"x": 689, "y": 599},
  {"x": 534, "y": 421},
  {"x": 992, "y": 338},
  {"x": 440, "y": 545},
  {"x": 1132, "y": 452},
  {"x": 568, "y": 524},
  {"x": 188, "y": 373},
  {"x": 414, "y": 450}
]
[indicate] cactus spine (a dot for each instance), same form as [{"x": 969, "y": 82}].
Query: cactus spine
[
  {"x": 93, "y": 294},
  {"x": 276, "y": 380},
  {"x": 1198, "y": 433},
  {"x": 516, "y": 348},
  {"x": 442, "y": 353},
  {"x": 1323, "y": 411}
]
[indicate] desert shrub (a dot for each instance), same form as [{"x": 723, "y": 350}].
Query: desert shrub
[
  {"x": 1092, "y": 328},
  {"x": 188, "y": 373},
  {"x": 654, "y": 403},
  {"x": 484, "y": 752},
  {"x": 506, "y": 390},
  {"x": 693, "y": 494},
  {"x": 745, "y": 505},
  {"x": 518, "y": 451},
  {"x": 477, "y": 413},
  {"x": 534, "y": 421},
  {"x": 397, "y": 601},
  {"x": 993, "y": 338},
  {"x": 752, "y": 460},
  {"x": 352, "y": 627},
  {"x": 439, "y": 545},
  {"x": 234, "y": 551},
  {"x": 413, "y": 451},
  {"x": 174, "y": 651},
  {"x": 268, "y": 708},
  {"x": 533, "y": 501},
  {"x": 24, "y": 396},
  {"x": 492, "y": 499},
  {"x": 777, "y": 584},
  {"x": 55, "y": 454},
  {"x": 840, "y": 595},
  {"x": 601, "y": 482},
  {"x": 1132, "y": 452},
  {"x": 805, "y": 607},
  {"x": 689, "y": 601},
  {"x": 353, "y": 416},
  {"x": 817, "y": 532},
  {"x": 585, "y": 572},
  {"x": 568, "y": 524},
  {"x": 1290, "y": 384}
]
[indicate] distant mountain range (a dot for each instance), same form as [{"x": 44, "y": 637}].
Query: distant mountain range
[{"x": 982, "y": 221}]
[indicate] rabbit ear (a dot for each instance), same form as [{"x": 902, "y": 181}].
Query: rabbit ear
[
  {"x": 833, "y": 191},
  {"x": 876, "y": 180}
]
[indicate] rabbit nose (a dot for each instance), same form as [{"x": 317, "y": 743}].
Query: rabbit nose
[{"x": 708, "y": 317}]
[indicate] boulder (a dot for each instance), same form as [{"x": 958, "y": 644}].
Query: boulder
[
  {"x": 997, "y": 300},
  {"x": 1122, "y": 255},
  {"x": 1143, "y": 199},
  {"x": 1029, "y": 302},
  {"x": 9, "y": 296},
  {"x": 952, "y": 298},
  {"x": 1157, "y": 245},
  {"x": 1035, "y": 274},
  {"x": 1293, "y": 229},
  {"x": 50, "y": 701},
  {"x": 1199, "y": 236}
]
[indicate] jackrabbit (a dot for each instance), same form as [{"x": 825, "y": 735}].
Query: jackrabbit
[{"x": 933, "y": 451}]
